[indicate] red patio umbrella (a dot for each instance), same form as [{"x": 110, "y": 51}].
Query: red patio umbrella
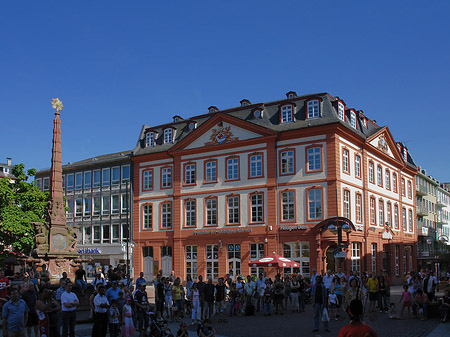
[{"x": 273, "y": 260}]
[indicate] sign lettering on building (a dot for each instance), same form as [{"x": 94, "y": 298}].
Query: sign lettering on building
[
  {"x": 292, "y": 228},
  {"x": 223, "y": 231}
]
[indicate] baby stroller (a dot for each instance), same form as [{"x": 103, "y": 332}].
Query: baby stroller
[{"x": 158, "y": 327}]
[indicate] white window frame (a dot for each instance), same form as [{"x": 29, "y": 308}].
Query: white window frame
[
  {"x": 46, "y": 184},
  {"x": 356, "y": 256},
  {"x": 353, "y": 119},
  {"x": 104, "y": 182},
  {"x": 314, "y": 157},
  {"x": 396, "y": 217},
  {"x": 358, "y": 166},
  {"x": 288, "y": 206},
  {"x": 211, "y": 171},
  {"x": 256, "y": 165},
  {"x": 257, "y": 207},
  {"x": 123, "y": 175},
  {"x": 149, "y": 139},
  {"x": 381, "y": 212},
  {"x": 287, "y": 161},
  {"x": 124, "y": 204},
  {"x": 147, "y": 216},
  {"x": 341, "y": 111},
  {"x": 191, "y": 214},
  {"x": 96, "y": 174},
  {"x": 96, "y": 207},
  {"x": 115, "y": 170},
  {"x": 147, "y": 181},
  {"x": 87, "y": 183},
  {"x": 212, "y": 262},
  {"x": 168, "y": 136},
  {"x": 257, "y": 251},
  {"x": 346, "y": 204},
  {"x": 115, "y": 204},
  {"x": 379, "y": 175},
  {"x": 233, "y": 168},
  {"x": 87, "y": 206},
  {"x": 191, "y": 261},
  {"x": 373, "y": 248},
  {"x": 373, "y": 219},
  {"x": 211, "y": 211},
  {"x": 166, "y": 177},
  {"x": 315, "y": 207},
  {"x": 345, "y": 162},
  {"x": 78, "y": 181},
  {"x": 106, "y": 210},
  {"x": 79, "y": 207},
  {"x": 313, "y": 108},
  {"x": 371, "y": 168},
  {"x": 189, "y": 174},
  {"x": 397, "y": 260},
  {"x": 287, "y": 114},
  {"x": 387, "y": 178},
  {"x": 358, "y": 208},
  {"x": 233, "y": 206},
  {"x": 166, "y": 215},
  {"x": 394, "y": 182}
]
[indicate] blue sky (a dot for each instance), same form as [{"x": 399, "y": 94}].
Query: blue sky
[{"x": 117, "y": 65}]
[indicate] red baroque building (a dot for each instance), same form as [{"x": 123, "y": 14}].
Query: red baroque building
[{"x": 218, "y": 190}]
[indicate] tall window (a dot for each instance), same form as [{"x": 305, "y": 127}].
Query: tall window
[
  {"x": 341, "y": 111},
  {"x": 125, "y": 173},
  {"x": 210, "y": 171},
  {"x": 314, "y": 158},
  {"x": 345, "y": 165},
  {"x": 212, "y": 262},
  {"x": 211, "y": 211},
  {"x": 315, "y": 203},
  {"x": 374, "y": 257},
  {"x": 69, "y": 182},
  {"x": 409, "y": 190},
  {"x": 381, "y": 212},
  {"x": 115, "y": 204},
  {"x": 411, "y": 222},
  {"x": 372, "y": 211},
  {"x": 232, "y": 168},
  {"x": 299, "y": 252},
  {"x": 97, "y": 202},
  {"x": 87, "y": 206},
  {"x": 379, "y": 175},
  {"x": 404, "y": 219},
  {"x": 286, "y": 114},
  {"x": 189, "y": 174},
  {"x": 396, "y": 216},
  {"x": 168, "y": 136},
  {"x": 358, "y": 208},
  {"x": 389, "y": 213},
  {"x": 147, "y": 216},
  {"x": 256, "y": 165},
  {"x": 191, "y": 262},
  {"x": 353, "y": 119},
  {"x": 356, "y": 256},
  {"x": 78, "y": 181},
  {"x": 106, "y": 204},
  {"x": 256, "y": 252},
  {"x": 287, "y": 162},
  {"x": 87, "y": 179},
  {"x": 106, "y": 175},
  {"x": 403, "y": 186},
  {"x": 149, "y": 139},
  {"x": 191, "y": 218},
  {"x": 106, "y": 229},
  {"x": 115, "y": 179},
  {"x": 357, "y": 166},
  {"x": 96, "y": 180},
  {"x": 46, "y": 183},
  {"x": 371, "y": 177},
  {"x": 313, "y": 109},
  {"x": 166, "y": 215},
  {"x": 288, "y": 206},
  {"x": 166, "y": 177},
  {"x": 147, "y": 180},
  {"x": 125, "y": 203},
  {"x": 394, "y": 182},
  {"x": 347, "y": 204},
  {"x": 233, "y": 210},
  {"x": 78, "y": 207},
  {"x": 257, "y": 207}
]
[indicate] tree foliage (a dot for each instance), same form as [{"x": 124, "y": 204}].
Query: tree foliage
[{"x": 21, "y": 203}]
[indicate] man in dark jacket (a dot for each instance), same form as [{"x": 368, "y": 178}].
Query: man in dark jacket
[{"x": 319, "y": 302}]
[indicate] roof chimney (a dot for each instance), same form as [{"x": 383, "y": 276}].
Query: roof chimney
[{"x": 8, "y": 161}]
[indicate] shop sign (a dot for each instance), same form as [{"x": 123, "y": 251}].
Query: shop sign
[
  {"x": 223, "y": 231},
  {"x": 292, "y": 228},
  {"x": 89, "y": 251},
  {"x": 425, "y": 231}
]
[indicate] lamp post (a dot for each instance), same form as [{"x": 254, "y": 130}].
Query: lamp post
[
  {"x": 337, "y": 227},
  {"x": 128, "y": 227}
]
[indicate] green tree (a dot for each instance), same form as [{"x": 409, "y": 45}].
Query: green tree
[{"x": 21, "y": 203}]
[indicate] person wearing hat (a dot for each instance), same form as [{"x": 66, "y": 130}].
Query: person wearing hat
[
  {"x": 356, "y": 327},
  {"x": 113, "y": 292}
]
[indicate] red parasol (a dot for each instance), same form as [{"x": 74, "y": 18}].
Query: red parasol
[{"x": 273, "y": 260}]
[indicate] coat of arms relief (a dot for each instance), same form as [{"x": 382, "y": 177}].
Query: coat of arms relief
[{"x": 221, "y": 135}]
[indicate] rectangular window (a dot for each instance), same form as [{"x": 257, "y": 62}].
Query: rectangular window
[
  {"x": 287, "y": 162},
  {"x": 191, "y": 218},
  {"x": 166, "y": 177},
  {"x": 233, "y": 210},
  {"x": 147, "y": 216},
  {"x": 256, "y": 252},
  {"x": 106, "y": 234},
  {"x": 115, "y": 233},
  {"x": 411, "y": 222},
  {"x": 125, "y": 231},
  {"x": 212, "y": 262},
  {"x": 78, "y": 180},
  {"x": 288, "y": 206},
  {"x": 358, "y": 208},
  {"x": 356, "y": 256},
  {"x": 379, "y": 175},
  {"x": 115, "y": 176},
  {"x": 341, "y": 111},
  {"x": 115, "y": 204},
  {"x": 147, "y": 183},
  {"x": 70, "y": 206},
  {"x": 125, "y": 174},
  {"x": 374, "y": 257},
  {"x": 168, "y": 136},
  {"x": 396, "y": 216},
  {"x": 149, "y": 139},
  {"x": 314, "y": 159},
  {"x": 381, "y": 212},
  {"x": 125, "y": 203},
  {"x": 210, "y": 171},
  {"x": 257, "y": 207},
  {"x": 87, "y": 179},
  {"x": 256, "y": 166},
  {"x": 345, "y": 165},
  {"x": 409, "y": 190},
  {"x": 87, "y": 206},
  {"x": 353, "y": 119},
  {"x": 79, "y": 207},
  {"x": 315, "y": 203},
  {"x": 357, "y": 166},
  {"x": 96, "y": 178},
  {"x": 69, "y": 183},
  {"x": 211, "y": 212},
  {"x": 39, "y": 183},
  {"x": 88, "y": 234},
  {"x": 106, "y": 204},
  {"x": 189, "y": 174},
  {"x": 394, "y": 182},
  {"x": 46, "y": 186},
  {"x": 313, "y": 109},
  {"x": 347, "y": 204},
  {"x": 166, "y": 214},
  {"x": 106, "y": 175},
  {"x": 232, "y": 168},
  {"x": 387, "y": 179},
  {"x": 404, "y": 226},
  {"x": 96, "y": 205},
  {"x": 191, "y": 262},
  {"x": 389, "y": 214},
  {"x": 371, "y": 177},
  {"x": 286, "y": 114},
  {"x": 403, "y": 187},
  {"x": 372, "y": 211}
]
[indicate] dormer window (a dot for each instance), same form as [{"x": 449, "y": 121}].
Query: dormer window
[
  {"x": 149, "y": 139},
  {"x": 291, "y": 94},
  {"x": 313, "y": 108},
  {"x": 286, "y": 114},
  {"x": 212, "y": 109},
  {"x": 341, "y": 112},
  {"x": 257, "y": 113},
  {"x": 353, "y": 119},
  {"x": 177, "y": 118},
  {"x": 245, "y": 102},
  {"x": 168, "y": 136},
  {"x": 192, "y": 125},
  {"x": 364, "y": 122},
  {"x": 405, "y": 154}
]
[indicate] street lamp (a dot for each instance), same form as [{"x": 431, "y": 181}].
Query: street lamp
[{"x": 128, "y": 228}]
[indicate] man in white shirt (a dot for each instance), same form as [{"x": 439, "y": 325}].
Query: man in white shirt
[
  {"x": 249, "y": 289},
  {"x": 328, "y": 280},
  {"x": 101, "y": 305},
  {"x": 69, "y": 303},
  {"x": 259, "y": 284}
]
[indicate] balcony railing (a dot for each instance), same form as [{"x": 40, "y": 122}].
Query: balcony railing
[
  {"x": 421, "y": 190},
  {"x": 421, "y": 210}
]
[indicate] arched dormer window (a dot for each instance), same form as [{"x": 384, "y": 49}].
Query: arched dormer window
[
  {"x": 245, "y": 102},
  {"x": 341, "y": 111},
  {"x": 168, "y": 135},
  {"x": 212, "y": 109},
  {"x": 353, "y": 119},
  {"x": 291, "y": 94},
  {"x": 287, "y": 113},
  {"x": 150, "y": 139},
  {"x": 313, "y": 108},
  {"x": 177, "y": 118}
]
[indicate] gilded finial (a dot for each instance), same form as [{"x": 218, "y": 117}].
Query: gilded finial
[{"x": 57, "y": 104}]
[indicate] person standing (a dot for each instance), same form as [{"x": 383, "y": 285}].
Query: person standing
[
  {"x": 114, "y": 319},
  {"x": 69, "y": 303},
  {"x": 101, "y": 305},
  {"x": 113, "y": 292},
  {"x": 373, "y": 286},
  {"x": 200, "y": 286},
  {"x": 382, "y": 299},
  {"x": 208, "y": 293},
  {"x": 221, "y": 306},
  {"x": 128, "y": 329},
  {"x": 356, "y": 327},
  {"x": 47, "y": 310},
  {"x": 195, "y": 304},
  {"x": 140, "y": 280},
  {"x": 14, "y": 315},
  {"x": 141, "y": 301},
  {"x": 29, "y": 295},
  {"x": 319, "y": 302},
  {"x": 80, "y": 279},
  {"x": 259, "y": 284}
]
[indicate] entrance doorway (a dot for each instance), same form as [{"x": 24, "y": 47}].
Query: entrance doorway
[
  {"x": 234, "y": 259},
  {"x": 147, "y": 253},
  {"x": 331, "y": 260},
  {"x": 166, "y": 260}
]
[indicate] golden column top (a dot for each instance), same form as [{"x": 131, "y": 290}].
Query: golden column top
[{"x": 57, "y": 104}]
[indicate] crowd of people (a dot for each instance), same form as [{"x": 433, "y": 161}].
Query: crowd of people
[{"x": 121, "y": 305}]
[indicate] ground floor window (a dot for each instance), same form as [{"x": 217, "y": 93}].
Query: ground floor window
[
  {"x": 191, "y": 262},
  {"x": 234, "y": 259},
  {"x": 212, "y": 262},
  {"x": 256, "y": 252},
  {"x": 299, "y": 252},
  {"x": 356, "y": 256},
  {"x": 374, "y": 257}
]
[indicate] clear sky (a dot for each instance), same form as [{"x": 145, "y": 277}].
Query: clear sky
[{"x": 117, "y": 65}]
